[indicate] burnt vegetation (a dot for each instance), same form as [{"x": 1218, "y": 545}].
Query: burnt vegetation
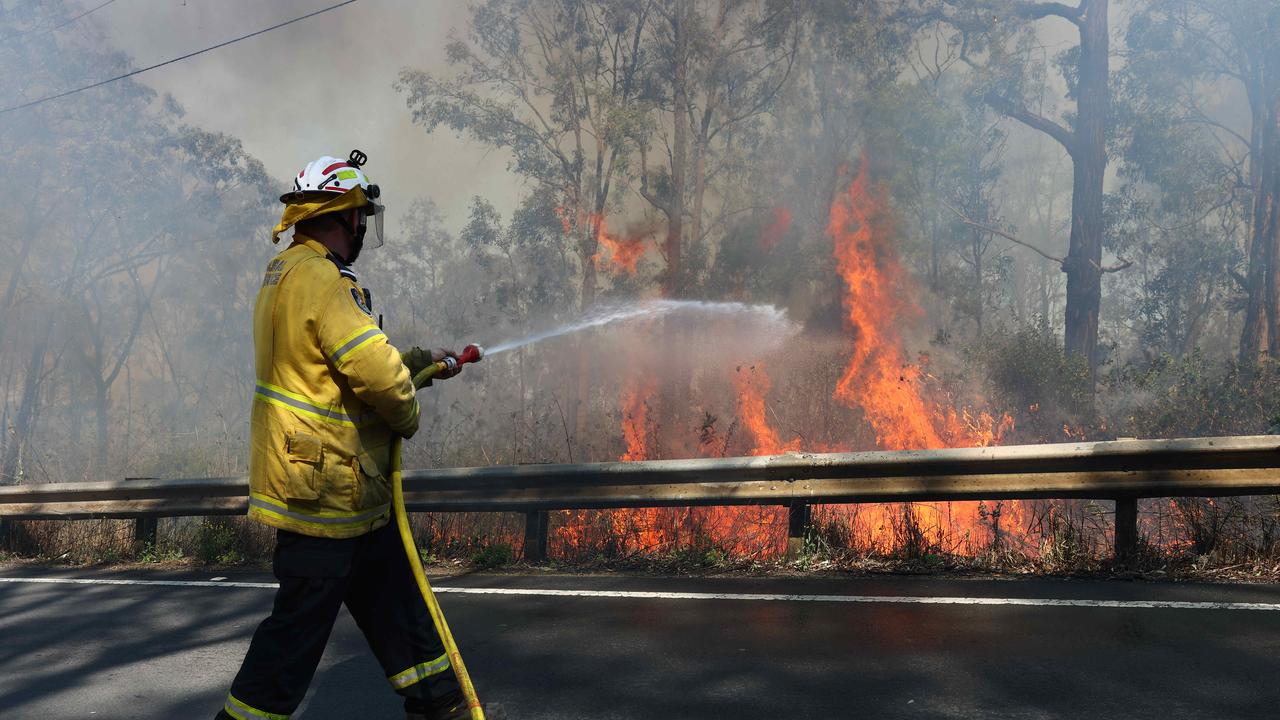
[{"x": 996, "y": 221}]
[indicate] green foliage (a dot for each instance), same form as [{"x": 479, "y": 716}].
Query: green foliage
[
  {"x": 1194, "y": 396},
  {"x": 493, "y": 556},
  {"x": 1032, "y": 376},
  {"x": 697, "y": 557},
  {"x": 217, "y": 542},
  {"x": 162, "y": 553}
]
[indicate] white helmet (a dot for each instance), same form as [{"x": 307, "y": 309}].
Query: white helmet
[{"x": 324, "y": 179}]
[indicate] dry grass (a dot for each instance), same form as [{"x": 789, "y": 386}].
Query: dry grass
[{"x": 1235, "y": 539}]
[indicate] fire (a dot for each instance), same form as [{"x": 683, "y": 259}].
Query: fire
[
  {"x": 631, "y": 531},
  {"x": 776, "y": 230},
  {"x": 624, "y": 253},
  {"x": 753, "y": 384},
  {"x": 566, "y": 219},
  {"x": 878, "y": 379},
  {"x": 888, "y": 389},
  {"x": 635, "y": 419},
  {"x": 742, "y": 532}
]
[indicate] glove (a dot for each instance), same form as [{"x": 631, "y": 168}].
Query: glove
[{"x": 417, "y": 360}]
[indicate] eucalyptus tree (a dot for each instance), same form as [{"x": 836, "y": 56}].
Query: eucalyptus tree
[
  {"x": 718, "y": 70},
  {"x": 125, "y": 220},
  {"x": 555, "y": 84},
  {"x": 1198, "y": 57},
  {"x": 997, "y": 38}
]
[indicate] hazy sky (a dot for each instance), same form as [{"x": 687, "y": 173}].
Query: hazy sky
[{"x": 318, "y": 87}]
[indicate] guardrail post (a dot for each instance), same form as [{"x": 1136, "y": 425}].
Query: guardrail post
[
  {"x": 1126, "y": 529},
  {"x": 144, "y": 531},
  {"x": 535, "y": 535},
  {"x": 798, "y": 517}
]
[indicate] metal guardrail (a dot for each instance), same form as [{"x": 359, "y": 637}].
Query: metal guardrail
[{"x": 1123, "y": 471}]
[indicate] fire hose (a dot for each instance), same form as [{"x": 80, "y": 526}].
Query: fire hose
[{"x": 470, "y": 354}]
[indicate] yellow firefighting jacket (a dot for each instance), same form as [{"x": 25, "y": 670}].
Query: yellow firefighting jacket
[{"x": 330, "y": 392}]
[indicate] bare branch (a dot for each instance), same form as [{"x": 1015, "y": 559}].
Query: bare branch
[
  {"x": 965, "y": 219},
  {"x": 1122, "y": 265},
  {"x": 1038, "y": 11},
  {"x": 1006, "y": 107}
]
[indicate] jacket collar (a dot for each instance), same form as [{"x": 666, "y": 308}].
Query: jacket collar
[
  {"x": 316, "y": 247},
  {"x": 313, "y": 245}
]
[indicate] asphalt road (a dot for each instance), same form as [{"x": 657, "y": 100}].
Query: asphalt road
[{"x": 881, "y": 648}]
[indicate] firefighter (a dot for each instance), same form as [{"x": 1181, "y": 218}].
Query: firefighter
[{"x": 330, "y": 392}]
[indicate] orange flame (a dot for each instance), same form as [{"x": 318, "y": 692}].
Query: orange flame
[
  {"x": 635, "y": 419},
  {"x": 753, "y": 384},
  {"x": 736, "y": 531},
  {"x": 888, "y": 389},
  {"x": 878, "y": 379},
  {"x": 566, "y": 219},
  {"x": 624, "y": 253}
]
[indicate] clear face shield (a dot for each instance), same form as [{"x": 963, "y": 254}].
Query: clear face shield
[
  {"x": 371, "y": 221},
  {"x": 371, "y": 224}
]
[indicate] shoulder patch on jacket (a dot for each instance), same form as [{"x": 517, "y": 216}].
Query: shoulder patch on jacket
[{"x": 360, "y": 303}]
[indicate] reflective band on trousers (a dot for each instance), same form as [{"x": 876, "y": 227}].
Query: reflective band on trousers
[
  {"x": 274, "y": 395},
  {"x": 353, "y": 342},
  {"x": 418, "y": 672},
  {"x": 327, "y": 518},
  {"x": 240, "y": 710}
]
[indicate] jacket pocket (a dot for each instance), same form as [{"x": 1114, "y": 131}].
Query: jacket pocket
[
  {"x": 306, "y": 458},
  {"x": 370, "y": 484}
]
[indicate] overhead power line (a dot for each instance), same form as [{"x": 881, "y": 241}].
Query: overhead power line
[
  {"x": 42, "y": 31},
  {"x": 139, "y": 71}
]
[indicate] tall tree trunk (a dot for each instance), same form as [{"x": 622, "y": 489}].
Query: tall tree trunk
[
  {"x": 1270, "y": 242},
  {"x": 702, "y": 147},
  {"x": 102, "y": 411},
  {"x": 672, "y": 397},
  {"x": 673, "y": 284},
  {"x": 978, "y": 296},
  {"x": 1083, "y": 264},
  {"x": 1263, "y": 147},
  {"x": 581, "y": 382},
  {"x": 26, "y": 407},
  {"x": 590, "y": 245}
]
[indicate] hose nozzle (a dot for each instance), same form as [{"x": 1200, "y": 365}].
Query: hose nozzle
[{"x": 470, "y": 354}]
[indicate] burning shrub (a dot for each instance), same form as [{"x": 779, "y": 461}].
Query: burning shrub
[{"x": 1029, "y": 371}]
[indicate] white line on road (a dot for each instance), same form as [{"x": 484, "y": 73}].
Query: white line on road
[
  {"x": 127, "y": 581},
  {"x": 759, "y": 597}
]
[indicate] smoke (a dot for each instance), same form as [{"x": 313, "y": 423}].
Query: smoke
[
  {"x": 139, "y": 216},
  {"x": 319, "y": 87}
]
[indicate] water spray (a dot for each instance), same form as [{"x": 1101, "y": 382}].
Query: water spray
[
  {"x": 771, "y": 317},
  {"x": 774, "y": 318}
]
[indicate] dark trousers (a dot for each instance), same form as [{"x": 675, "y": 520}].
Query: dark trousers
[{"x": 371, "y": 575}]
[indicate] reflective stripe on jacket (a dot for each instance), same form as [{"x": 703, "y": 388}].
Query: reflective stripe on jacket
[{"x": 330, "y": 392}]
